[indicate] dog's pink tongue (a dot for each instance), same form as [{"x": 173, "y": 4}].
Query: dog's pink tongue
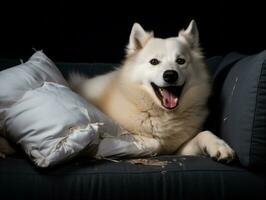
[{"x": 169, "y": 100}]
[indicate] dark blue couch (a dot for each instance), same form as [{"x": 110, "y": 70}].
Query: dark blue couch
[{"x": 183, "y": 178}]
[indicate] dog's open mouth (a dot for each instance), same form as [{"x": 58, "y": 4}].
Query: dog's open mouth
[{"x": 169, "y": 96}]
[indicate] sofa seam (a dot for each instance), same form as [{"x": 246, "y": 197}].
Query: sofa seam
[
  {"x": 136, "y": 173},
  {"x": 255, "y": 111}
]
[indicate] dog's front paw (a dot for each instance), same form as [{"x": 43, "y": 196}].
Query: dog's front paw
[{"x": 220, "y": 151}]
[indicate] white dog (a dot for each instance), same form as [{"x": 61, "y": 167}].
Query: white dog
[{"x": 159, "y": 94}]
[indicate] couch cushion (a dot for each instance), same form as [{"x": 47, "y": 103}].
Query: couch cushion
[
  {"x": 239, "y": 106},
  {"x": 183, "y": 178}
]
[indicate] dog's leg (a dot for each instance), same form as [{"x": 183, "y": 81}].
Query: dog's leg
[
  {"x": 206, "y": 143},
  {"x": 5, "y": 148},
  {"x": 148, "y": 146}
]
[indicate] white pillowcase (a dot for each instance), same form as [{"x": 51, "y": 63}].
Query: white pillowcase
[{"x": 51, "y": 122}]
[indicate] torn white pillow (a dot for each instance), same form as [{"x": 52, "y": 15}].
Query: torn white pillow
[{"x": 52, "y": 123}]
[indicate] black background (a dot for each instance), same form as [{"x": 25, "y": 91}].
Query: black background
[{"x": 83, "y": 31}]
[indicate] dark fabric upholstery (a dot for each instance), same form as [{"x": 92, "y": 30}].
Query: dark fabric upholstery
[{"x": 183, "y": 178}]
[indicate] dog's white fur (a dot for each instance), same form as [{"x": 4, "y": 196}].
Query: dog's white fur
[{"x": 126, "y": 95}]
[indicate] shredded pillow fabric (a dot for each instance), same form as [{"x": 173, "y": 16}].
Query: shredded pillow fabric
[{"x": 52, "y": 123}]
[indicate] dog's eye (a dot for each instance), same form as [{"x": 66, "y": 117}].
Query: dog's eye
[
  {"x": 154, "y": 61},
  {"x": 180, "y": 61}
]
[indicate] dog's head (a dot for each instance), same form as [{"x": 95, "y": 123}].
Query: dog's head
[{"x": 164, "y": 67}]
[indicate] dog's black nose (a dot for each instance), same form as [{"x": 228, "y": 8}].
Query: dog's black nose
[{"x": 170, "y": 76}]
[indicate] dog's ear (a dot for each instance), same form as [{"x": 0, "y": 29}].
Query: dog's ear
[
  {"x": 138, "y": 38},
  {"x": 191, "y": 34}
]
